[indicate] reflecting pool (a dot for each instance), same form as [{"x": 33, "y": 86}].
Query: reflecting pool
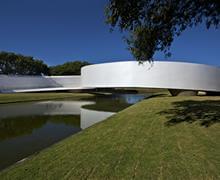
[{"x": 27, "y": 128}]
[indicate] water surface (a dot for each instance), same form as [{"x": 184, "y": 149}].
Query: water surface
[{"x": 27, "y": 128}]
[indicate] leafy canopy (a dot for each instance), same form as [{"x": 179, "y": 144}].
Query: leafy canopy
[
  {"x": 68, "y": 68},
  {"x": 17, "y": 64},
  {"x": 153, "y": 24}
]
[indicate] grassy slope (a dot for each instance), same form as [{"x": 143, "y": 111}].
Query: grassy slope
[
  {"x": 159, "y": 138},
  {"x": 22, "y": 97}
]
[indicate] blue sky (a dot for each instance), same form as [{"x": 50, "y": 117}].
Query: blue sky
[{"x": 62, "y": 30}]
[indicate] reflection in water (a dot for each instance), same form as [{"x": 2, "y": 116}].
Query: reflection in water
[
  {"x": 90, "y": 117},
  {"x": 26, "y": 128},
  {"x": 130, "y": 98},
  {"x": 24, "y": 125}
]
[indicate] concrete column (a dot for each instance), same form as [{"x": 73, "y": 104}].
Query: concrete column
[{"x": 179, "y": 92}]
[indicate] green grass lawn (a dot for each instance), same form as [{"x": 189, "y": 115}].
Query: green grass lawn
[
  {"x": 23, "y": 97},
  {"x": 158, "y": 138}
]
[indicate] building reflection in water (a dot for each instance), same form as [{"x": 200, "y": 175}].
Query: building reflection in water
[{"x": 26, "y": 128}]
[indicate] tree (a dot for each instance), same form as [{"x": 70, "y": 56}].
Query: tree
[
  {"x": 153, "y": 24},
  {"x": 68, "y": 68},
  {"x": 17, "y": 64}
]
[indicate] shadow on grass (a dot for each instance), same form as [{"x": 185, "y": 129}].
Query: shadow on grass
[{"x": 206, "y": 112}]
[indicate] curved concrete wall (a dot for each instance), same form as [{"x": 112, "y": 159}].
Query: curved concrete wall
[
  {"x": 67, "y": 81},
  {"x": 11, "y": 83},
  {"x": 169, "y": 75}
]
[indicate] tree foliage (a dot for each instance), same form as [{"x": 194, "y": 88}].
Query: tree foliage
[
  {"x": 68, "y": 68},
  {"x": 153, "y": 24},
  {"x": 17, "y": 64}
]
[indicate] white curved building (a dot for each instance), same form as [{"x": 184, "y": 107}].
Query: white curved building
[
  {"x": 167, "y": 75},
  {"x": 175, "y": 76}
]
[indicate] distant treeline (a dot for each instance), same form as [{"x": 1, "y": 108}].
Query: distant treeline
[
  {"x": 68, "y": 68},
  {"x": 17, "y": 64}
]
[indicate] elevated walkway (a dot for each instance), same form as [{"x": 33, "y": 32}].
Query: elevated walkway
[{"x": 174, "y": 76}]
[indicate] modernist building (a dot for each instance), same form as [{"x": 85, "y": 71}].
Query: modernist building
[{"x": 175, "y": 76}]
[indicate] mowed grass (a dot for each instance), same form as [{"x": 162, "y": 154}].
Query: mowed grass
[
  {"x": 158, "y": 138},
  {"x": 23, "y": 97}
]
